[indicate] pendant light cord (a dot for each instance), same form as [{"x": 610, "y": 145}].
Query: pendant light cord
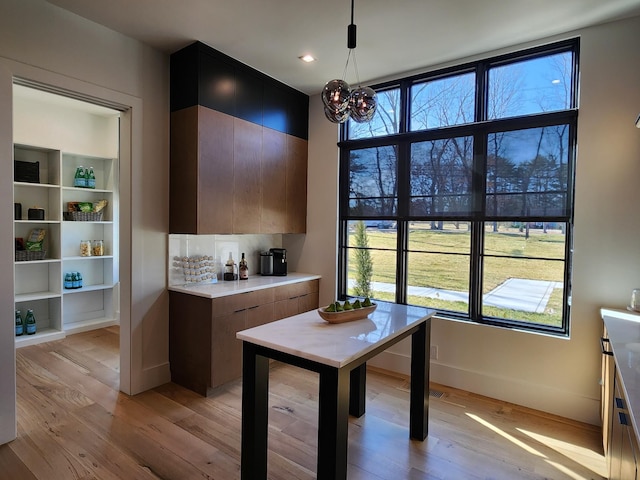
[{"x": 351, "y": 45}]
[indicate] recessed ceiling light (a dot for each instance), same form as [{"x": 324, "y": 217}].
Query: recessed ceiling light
[{"x": 307, "y": 58}]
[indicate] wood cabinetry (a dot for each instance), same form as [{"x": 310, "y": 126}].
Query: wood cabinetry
[
  {"x": 296, "y": 187},
  {"x": 622, "y": 453},
  {"x": 274, "y": 194},
  {"x": 201, "y": 189},
  {"x": 229, "y": 175},
  {"x": 238, "y": 153},
  {"x": 247, "y": 182},
  {"x": 619, "y": 437},
  {"x": 295, "y": 298},
  {"x": 203, "y": 350}
]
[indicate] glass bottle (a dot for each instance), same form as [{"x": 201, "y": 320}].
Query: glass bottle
[
  {"x": 30, "y": 322},
  {"x": 229, "y": 268},
  {"x": 243, "y": 269},
  {"x": 78, "y": 280},
  {"x": 74, "y": 280},
  {"x": 68, "y": 281},
  {"x": 90, "y": 178},
  {"x": 79, "y": 180},
  {"x": 19, "y": 324}
]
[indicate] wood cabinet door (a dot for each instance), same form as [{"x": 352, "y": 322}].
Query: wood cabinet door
[
  {"x": 183, "y": 208},
  {"x": 226, "y": 349},
  {"x": 214, "y": 183},
  {"x": 273, "y": 179},
  {"x": 247, "y": 185},
  {"x": 296, "y": 173}
]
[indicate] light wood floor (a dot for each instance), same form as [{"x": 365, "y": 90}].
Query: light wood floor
[{"x": 73, "y": 424}]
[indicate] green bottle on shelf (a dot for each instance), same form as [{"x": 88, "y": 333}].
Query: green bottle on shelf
[
  {"x": 79, "y": 180},
  {"x": 19, "y": 324},
  {"x": 30, "y": 322},
  {"x": 90, "y": 178}
]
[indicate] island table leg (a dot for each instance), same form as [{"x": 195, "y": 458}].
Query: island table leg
[{"x": 255, "y": 414}]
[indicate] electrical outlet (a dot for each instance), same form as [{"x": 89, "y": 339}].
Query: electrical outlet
[{"x": 434, "y": 352}]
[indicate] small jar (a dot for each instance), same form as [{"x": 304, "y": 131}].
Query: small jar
[
  {"x": 85, "y": 248},
  {"x": 97, "y": 248}
]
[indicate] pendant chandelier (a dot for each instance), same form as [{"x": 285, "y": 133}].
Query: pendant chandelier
[{"x": 342, "y": 102}]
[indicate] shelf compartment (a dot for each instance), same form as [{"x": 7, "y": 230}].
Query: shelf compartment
[
  {"x": 76, "y": 231},
  {"x": 94, "y": 270},
  {"x": 49, "y": 160},
  {"x": 47, "y": 313},
  {"x": 37, "y": 195},
  {"x": 40, "y": 278},
  {"x": 51, "y": 239},
  {"x": 103, "y": 168},
  {"x": 88, "y": 195},
  {"x": 89, "y": 307}
]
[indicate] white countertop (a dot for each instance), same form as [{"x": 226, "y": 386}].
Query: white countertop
[
  {"x": 623, "y": 330},
  {"x": 308, "y": 336},
  {"x": 225, "y": 288}
]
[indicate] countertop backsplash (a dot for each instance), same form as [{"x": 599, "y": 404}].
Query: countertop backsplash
[{"x": 212, "y": 252}]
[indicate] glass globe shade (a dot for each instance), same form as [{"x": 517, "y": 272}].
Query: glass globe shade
[
  {"x": 336, "y": 115},
  {"x": 335, "y": 94},
  {"x": 362, "y": 104}
]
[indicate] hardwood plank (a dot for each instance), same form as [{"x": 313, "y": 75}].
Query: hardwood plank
[
  {"x": 12, "y": 467},
  {"x": 74, "y": 424}
]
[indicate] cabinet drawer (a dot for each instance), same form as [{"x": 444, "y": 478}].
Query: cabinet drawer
[
  {"x": 296, "y": 289},
  {"x": 308, "y": 302},
  {"x": 241, "y": 301}
]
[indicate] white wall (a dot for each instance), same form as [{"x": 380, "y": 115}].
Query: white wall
[
  {"x": 552, "y": 374},
  {"x": 48, "y": 44}
]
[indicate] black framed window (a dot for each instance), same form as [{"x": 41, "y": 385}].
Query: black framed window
[{"x": 459, "y": 194}]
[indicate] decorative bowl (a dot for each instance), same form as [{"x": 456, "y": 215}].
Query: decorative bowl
[{"x": 346, "y": 315}]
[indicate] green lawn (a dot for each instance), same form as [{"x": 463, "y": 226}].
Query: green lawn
[{"x": 439, "y": 258}]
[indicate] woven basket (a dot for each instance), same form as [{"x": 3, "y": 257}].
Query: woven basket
[
  {"x": 86, "y": 216},
  {"x": 28, "y": 255}
]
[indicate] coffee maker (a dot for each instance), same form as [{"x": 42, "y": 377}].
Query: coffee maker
[{"x": 279, "y": 261}]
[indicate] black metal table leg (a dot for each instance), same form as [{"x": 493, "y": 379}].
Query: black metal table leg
[
  {"x": 358, "y": 390},
  {"x": 255, "y": 404},
  {"x": 333, "y": 424},
  {"x": 419, "y": 399}
]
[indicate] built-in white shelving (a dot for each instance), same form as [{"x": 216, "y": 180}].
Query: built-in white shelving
[{"x": 39, "y": 284}]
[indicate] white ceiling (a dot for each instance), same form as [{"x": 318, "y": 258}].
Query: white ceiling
[{"x": 394, "y": 36}]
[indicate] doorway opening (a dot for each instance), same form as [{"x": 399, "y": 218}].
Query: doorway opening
[{"x": 67, "y": 164}]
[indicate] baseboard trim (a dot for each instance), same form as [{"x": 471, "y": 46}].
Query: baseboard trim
[{"x": 544, "y": 398}]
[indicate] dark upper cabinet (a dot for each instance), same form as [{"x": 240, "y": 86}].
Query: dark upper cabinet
[
  {"x": 249, "y": 97},
  {"x": 201, "y": 75},
  {"x": 275, "y": 108},
  {"x": 216, "y": 84}
]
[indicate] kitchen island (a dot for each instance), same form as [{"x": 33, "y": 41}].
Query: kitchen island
[
  {"x": 338, "y": 352},
  {"x": 203, "y": 320}
]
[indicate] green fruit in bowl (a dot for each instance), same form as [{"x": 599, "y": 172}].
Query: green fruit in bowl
[
  {"x": 347, "y": 305},
  {"x": 330, "y": 308},
  {"x": 366, "y": 302},
  {"x": 339, "y": 307},
  {"x": 357, "y": 304}
]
